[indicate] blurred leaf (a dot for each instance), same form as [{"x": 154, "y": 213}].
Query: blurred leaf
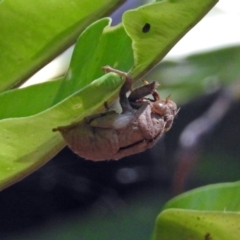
[
  {"x": 198, "y": 74},
  {"x": 215, "y": 197},
  {"x": 33, "y": 32},
  {"x": 198, "y": 225},
  {"x": 209, "y": 210}
]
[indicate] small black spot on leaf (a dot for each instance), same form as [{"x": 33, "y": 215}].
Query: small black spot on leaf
[{"x": 146, "y": 28}]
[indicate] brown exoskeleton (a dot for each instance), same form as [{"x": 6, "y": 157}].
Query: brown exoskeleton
[{"x": 113, "y": 136}]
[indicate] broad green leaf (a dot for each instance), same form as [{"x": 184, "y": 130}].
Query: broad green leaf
[
  {"x": 156, "y": 28},
  {"x": 28, "y": 142},
  {"x": 33, "y": 32},
  {"x": 212, "y": 210},
  {"x": 198, "y": 225},
  {"x": 215, "y": 197},
  {"x": 108, "y": 46},
  {"x": 28, "y": 101},
  {"x": 198, "y": 74},
  {"x": 37, "y": 98},
  {"x": 113, "y": 48}
]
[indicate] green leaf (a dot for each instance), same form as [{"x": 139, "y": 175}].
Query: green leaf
[
  {"x": 112, "y": 47},
  {"x": 28, "y": 142},
  {"x": 215, "y": 197},
  {"x": 156, "y": 28},
  {"x": 28, "y": 101},
  {"x": 33, "y": 32},
  {"x": 212, "y": 210},
  {"x": 84, "y": 68},
  {"x": 108, "y": 46},
  {"x": 198, "y": 225}
]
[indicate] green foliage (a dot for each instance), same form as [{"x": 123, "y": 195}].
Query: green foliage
[
  {"x": 157, "y": 27},
  {"x": 210, "y": 212},
  {"x": 214, "y": 197},
  {"x": 139, "y": 43},
  {"x": 33, "y": 32},
  {"x": 109, "y": 46},
  {"x": 182, "y": 225},
  {"x": 27, "y": 141},
  {"x": 41, "y": 97}
]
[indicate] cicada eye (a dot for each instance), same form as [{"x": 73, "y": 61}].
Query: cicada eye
[{"x": 160, "y": 107}]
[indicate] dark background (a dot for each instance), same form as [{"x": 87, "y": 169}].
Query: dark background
[{"x": 71, "y": 198}]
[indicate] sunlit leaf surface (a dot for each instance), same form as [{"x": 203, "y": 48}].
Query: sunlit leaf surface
[
  {"x": 33, "y": 32},
  {"x": 210, "y": 212},
  {"x": 197, "y": 225},
  {"x": 156, "y": 28}
]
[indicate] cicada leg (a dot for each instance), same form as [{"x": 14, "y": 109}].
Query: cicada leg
[{"x": 124, "y": 102}]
